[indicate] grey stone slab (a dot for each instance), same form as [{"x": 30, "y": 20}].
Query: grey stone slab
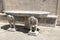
[{"x": 52, "y": 34}]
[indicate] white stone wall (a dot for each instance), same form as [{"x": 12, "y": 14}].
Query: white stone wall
[{"x": 31, "y": 5}]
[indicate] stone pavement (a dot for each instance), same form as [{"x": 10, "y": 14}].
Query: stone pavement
[{"x": 46, "y": 33}]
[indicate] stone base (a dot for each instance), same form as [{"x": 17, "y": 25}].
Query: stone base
[
  {"x": 12, "y": 29},
  {"x": 33, "y": 33}
]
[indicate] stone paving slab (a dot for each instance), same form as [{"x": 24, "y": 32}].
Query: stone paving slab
[{"x": 45, "y": 34}]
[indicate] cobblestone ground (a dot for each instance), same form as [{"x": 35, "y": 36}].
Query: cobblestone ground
[{"x": 49, "y": 33}]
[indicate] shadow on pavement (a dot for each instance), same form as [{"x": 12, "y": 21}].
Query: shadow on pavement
[{"x": 18, "y": 28}]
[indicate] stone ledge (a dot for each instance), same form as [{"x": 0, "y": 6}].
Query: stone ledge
[
  {"x": 52, "y": 16},
  {"x": 2, "y": 14}
]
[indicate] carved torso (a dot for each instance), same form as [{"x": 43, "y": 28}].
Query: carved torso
[{"x": 33, "y": 20}]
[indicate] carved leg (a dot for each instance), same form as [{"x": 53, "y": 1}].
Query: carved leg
[
  {"x": 10, "y": 28},
  {"x": 36, "y": 32},
  {"x": 30, "y": 28},
  {"x": 10, "y": 24},
  {"x": 35, "y": 27},
  {"x": 14, "y": 27},
  {"x": 13, "y": 21}
]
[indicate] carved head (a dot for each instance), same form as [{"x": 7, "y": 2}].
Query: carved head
[{"x": 32, "y": 20}]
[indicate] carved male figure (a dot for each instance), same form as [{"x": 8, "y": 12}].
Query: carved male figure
[
  {"x": 33, "y": 23},
  {"x": 11, "y": 21}
]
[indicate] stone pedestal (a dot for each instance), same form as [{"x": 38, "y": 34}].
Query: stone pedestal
[{"x": 33, "y": 33}]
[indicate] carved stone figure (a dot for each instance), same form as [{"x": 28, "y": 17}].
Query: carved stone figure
[
  {"x": 33, "y": 24},
  {"x": 11, "y": 21}
]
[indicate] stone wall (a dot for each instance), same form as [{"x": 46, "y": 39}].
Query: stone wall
[
  {"x": 31, "y": 5},
  {"x": 34, "y": 5},
  {"x": 0, "y": 5}
]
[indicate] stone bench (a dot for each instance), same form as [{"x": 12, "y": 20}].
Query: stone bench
[{"x": 41, "y": 14}]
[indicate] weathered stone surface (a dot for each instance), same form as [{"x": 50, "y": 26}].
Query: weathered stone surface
[
  {"x": 0, "y": 5},
  {"x": 48, "y": 5},
  {"x": 31, "y": 5},
  {"x": 46, "y": 33}
]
